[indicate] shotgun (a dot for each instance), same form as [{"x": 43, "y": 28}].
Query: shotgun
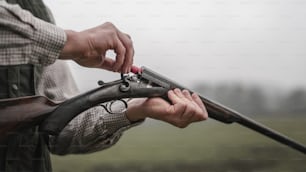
[{"x": 141, "y": 82}]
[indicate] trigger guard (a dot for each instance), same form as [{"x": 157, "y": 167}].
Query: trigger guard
[{"x": 108, "y": 107}]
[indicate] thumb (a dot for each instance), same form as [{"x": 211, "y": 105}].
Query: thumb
[{"x": 108, "y": 64}]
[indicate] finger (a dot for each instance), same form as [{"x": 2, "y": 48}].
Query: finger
[
  {"x": 187, "y": 95},
  {"x": 128, "y": 44},
  {"x": 204, "y": 114},
  {"x": 179, "y": 93},
  {"x": 108, "y": 64},
  {"x": 197, "y": 114},
  {"x": 173, "y": 97},
  {"x": 129, "y": 59},
  {"x": 198, "y": 101},
  {"x": 120, "y": 55},
  {"x": 189, "y": 112},
  {"x": 196, "y": 118},
  {"x": 128, "y": 36}
]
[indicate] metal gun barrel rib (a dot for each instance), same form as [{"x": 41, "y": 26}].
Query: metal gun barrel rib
[{"x": 222, "y": 113}]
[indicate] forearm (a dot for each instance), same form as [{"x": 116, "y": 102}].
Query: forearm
[
  {"x": 91, "y": 131},
  {"x": 27, "y": 39}
]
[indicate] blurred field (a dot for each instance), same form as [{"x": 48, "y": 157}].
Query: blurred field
[{"x": 202, "y": 147}]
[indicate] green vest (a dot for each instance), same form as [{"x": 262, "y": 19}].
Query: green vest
[{"x": 25, "y": 151}]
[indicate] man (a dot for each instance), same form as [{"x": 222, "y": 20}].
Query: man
[{"x": 32, "y": 54}]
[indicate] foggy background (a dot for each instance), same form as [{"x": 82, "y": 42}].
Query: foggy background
[
  {"x": 246, "y": 54},
  {"x": 250, "y": 51}
]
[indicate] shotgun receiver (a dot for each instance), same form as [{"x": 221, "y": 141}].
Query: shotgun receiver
[
  {"x": 142, "y": 82},
  {"x": 25, "y": 112}
]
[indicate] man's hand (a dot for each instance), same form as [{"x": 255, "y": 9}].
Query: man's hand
[
  {"x": 88, "y": 48},
  {"x": 185, "y": 108}
]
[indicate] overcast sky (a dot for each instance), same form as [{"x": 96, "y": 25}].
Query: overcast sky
[{"x": 252, "y": 41}]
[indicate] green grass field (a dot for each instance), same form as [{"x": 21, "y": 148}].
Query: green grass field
[{"x": 202, "y": 147}]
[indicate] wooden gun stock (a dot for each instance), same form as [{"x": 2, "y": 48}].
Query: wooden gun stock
[{"x": 19, "y": 113}]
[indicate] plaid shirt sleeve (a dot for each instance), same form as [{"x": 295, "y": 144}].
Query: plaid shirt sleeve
[
  {"x": 90, "y": 131},
  {"x": 93, "y": 130},
  {"x": 26, "y": 39}
]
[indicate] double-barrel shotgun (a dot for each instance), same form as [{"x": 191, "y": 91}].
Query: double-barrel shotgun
[{"x": 19, "y": 113}]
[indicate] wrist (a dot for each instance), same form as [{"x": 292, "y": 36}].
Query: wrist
[
  {"x": 135, "y": 111},
  {"x": 71, "y": 48}
]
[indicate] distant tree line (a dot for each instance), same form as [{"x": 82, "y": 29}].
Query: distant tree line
[{"x": 256, "y": 100}]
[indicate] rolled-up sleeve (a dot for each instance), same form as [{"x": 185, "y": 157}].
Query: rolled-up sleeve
[{"x": 26, "y": 39}]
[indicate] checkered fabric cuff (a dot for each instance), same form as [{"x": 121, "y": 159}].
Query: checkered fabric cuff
[
  {"x": 49, "y": 41},
  {"x": 118, "y": 123}
]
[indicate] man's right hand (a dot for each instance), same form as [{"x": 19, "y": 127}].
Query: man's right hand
[{"x": 88, "y": 48}]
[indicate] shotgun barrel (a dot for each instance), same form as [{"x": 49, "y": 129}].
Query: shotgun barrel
[{"x": 220, "y": 112}]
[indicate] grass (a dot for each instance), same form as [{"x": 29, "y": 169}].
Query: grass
[{"x": 207, "y": 146}]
